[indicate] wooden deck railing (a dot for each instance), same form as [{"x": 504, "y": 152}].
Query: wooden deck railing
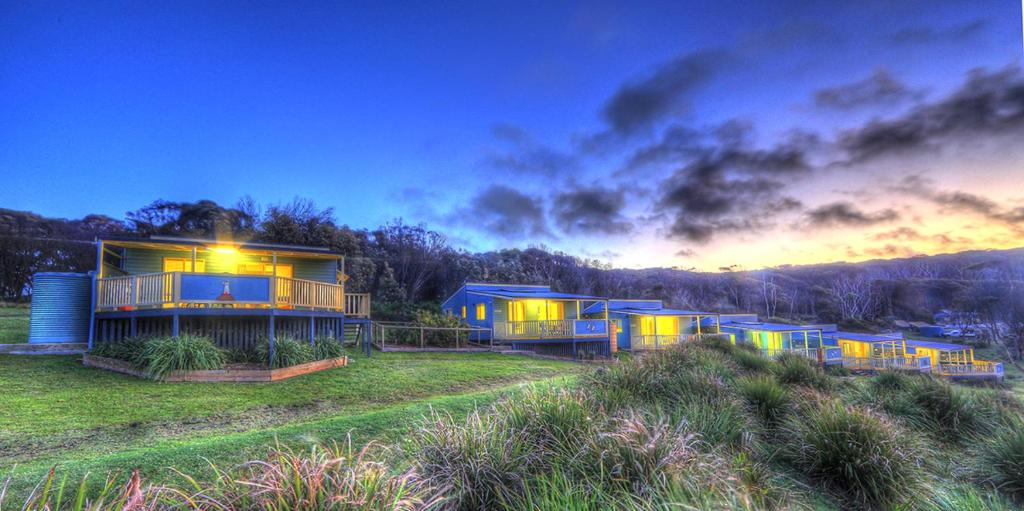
[
  {"x": 883, "y": 363},
  {"x": 654, "y": 342},
  {"x": 156, "y": 290},
  {"x": 977, "y": 368},
  {"x": 542, "y": 329}
]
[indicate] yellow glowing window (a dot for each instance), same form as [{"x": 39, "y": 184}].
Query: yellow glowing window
[
  {"x": 283, "y": 270},
  {"x": 183, "y": 264},
  {"x": 463, "y": 311},
  {"x": 481, "y": 312},
  {"x": 660, "y": 325},
  {"x": 535, "y": 310}
]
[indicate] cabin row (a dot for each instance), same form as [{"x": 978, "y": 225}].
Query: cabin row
[{"x": 535, "y": 318}]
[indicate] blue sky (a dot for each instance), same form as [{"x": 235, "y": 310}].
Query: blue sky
[{"x": 435, "y": 112}]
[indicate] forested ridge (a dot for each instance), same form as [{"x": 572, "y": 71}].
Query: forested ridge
[{"x": 407, "y": 267}]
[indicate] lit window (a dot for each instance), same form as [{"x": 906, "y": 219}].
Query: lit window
[
  {"x": 283, "y": 270},
  {"x": 463, "y": 312},
  {"x": 481, "y": 312},
  {"x": 183, "y": 264}
]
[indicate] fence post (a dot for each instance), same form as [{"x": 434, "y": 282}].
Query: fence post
[{"x": 421, "y": 338}]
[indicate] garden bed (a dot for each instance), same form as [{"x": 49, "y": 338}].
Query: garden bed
[{"x": 218, "y": 375}]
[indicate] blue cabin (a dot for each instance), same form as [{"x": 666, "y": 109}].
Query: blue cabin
[
  {"x": 233, "y": 292},
  {"x": 776, "y": 338},
  {"x": 532, "y": 318},
  {"x": 648, "y": 324}
]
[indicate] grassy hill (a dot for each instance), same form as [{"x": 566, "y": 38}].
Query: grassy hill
[{"x": 708, "y": 426}]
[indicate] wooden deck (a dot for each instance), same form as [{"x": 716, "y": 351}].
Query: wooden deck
[{"x": 225, "y": 291}]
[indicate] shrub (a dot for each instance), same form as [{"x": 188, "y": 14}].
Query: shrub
[
  {"x": 719, "y": 421},
  {"x": 797, "y": 370},
  {"x": 769, "y": 400},
  {"x": 949, "y": 411},
  {"x": 556, "y": 422},
  {"x": 248, "y": 355},
  {"x": 163, "y": 355},
  {"x": 891, "y": 380},
  {"x": 484, "y": 461},
  {"x": 326, "y": 347},
  {"x": 287, "y": 352},
  {"x": 856, "y": 454},
  {"x": 562, "y": 491},
  {"x": 640, "y": 452},
  {"x": 752, "y": 361},
  {"x": 1000, "y": 461},
  {"x": 130, "y": 350}
]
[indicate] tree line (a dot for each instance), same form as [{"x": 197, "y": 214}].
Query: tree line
[{"x": 409, "y": 267}]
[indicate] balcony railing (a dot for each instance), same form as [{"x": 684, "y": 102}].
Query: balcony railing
[
  {"x": 551, "y": 329},
  {"x": 884, "y": 363},
  {"x": 654, "y": 342},
  {"x": 182, "y": 289},
  {"x": 979, "y": 368}
]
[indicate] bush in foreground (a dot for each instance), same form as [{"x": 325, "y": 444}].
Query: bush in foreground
[
  {"x": 164, "y": 355},
  {"x": 858, "y": 455},
  {"x": 1000, "y": 461},
  {"x": 287, "y": 352},
  {"x": 769, "y": 400}
]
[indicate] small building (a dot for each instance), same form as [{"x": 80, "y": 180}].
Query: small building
[
  {"x": 648, "y": 324},
  {"x": 954, "y": 360},
  {"x": 775, "y": 338},
  {"x": 533, "y": 318},
  {"x": 234, "y": 292},
  {"x": 872, "y": 352}
]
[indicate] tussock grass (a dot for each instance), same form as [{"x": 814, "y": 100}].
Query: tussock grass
[
  {"x": 860, "y": 456},
  {"x": 999, "y": 461},
  {"x": 287, "y": 352},
  {"x": 164, "y": 355},
  {"x": 769, "y": 400},
  {"x": 793, "y": 369}
]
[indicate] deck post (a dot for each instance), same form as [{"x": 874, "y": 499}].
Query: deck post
[
  {"x": 175, "y": 325},
  {"x": 270, "y": 340},
  {"x": 134, "y": 328},
  {"x": 312, "y": 329},
  {"x": 574, "y": 349}
]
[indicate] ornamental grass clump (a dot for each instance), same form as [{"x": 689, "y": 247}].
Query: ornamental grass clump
[
  {"x": 859, "y": 456},
  {"x": 129, "y": 349},
  {"x": 287, "y": 352},
  {"x": 769, "y": 400},
  {"x": 999, "y": 461},
  {"x": 326, "y": 347},
  {"x": 164, "y": 355},
  {"x": 950, "y": 412},
  {"x": 557, "y": 423},
  {"x": 641, "y": 452},
  {"x": 483, "y": 461},
  {"x": 891, "y": 380},
  {"x": 794, "y": 369}
]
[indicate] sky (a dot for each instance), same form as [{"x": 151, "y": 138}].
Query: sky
[{"x": 706, "y": 135}]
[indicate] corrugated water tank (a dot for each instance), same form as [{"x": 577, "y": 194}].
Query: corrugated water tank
[{"x": 61, "y": 305}]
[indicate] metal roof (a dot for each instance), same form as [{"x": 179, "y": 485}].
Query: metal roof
[
  {"x": 661, "y": 312},
  {"x": 538, "y": 294},
  {"x": 774, "y": 327},
  {"x": 642, "y": 307},
  {"x": 154, "y": 241},
  {"x": 937, "y": 345},
  {"x": 854, "y": 336}
]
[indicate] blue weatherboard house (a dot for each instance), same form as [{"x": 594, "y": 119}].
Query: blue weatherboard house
[
  {"x": 532, "y": 318},
  {"x": 775, "y": 338},
  {"x": 648, "y": 324},
  {"x": 233, "y": 292}
]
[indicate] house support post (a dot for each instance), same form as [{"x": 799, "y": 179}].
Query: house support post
[
  {"x": 312, "y": 329},
  {"x": 270, "y": 340},
  {"x": 134, "y": 328},
  {"x": 574, "y": 349},
  {"x": 175, "y": 324}
]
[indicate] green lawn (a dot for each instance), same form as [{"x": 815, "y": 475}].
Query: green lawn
[
  {"x": 53, "y": 410},
  {"x": 13, "y": 324}
]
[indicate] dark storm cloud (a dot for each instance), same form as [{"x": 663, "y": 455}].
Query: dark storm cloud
[
  {"x": 522, "y": 154},
  {"x": 706, "y": 198},
  {"x": 844, "y": 214},
  {"x": 638, "y": 104},
  {"x": 591, "y": 210},
  {"x": 506, "y": 213},
  {"x": 929, "y": 35},
  {"x": 879, "y": 89},
  {"x": 988, "y": 103}
]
